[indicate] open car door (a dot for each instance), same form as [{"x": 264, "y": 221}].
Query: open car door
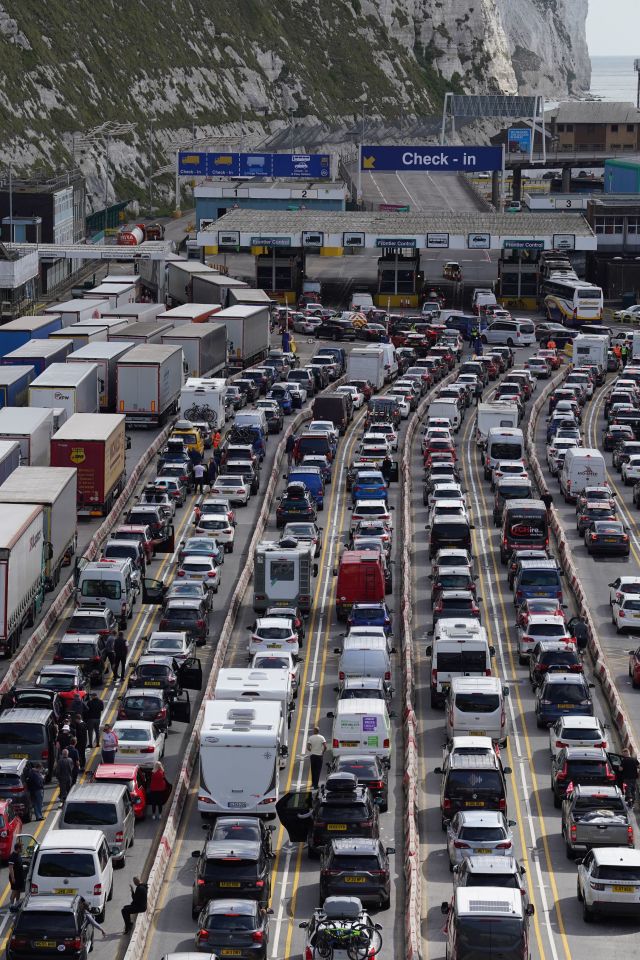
[
  {"x": 180, "y": 708},
  {"x": 30, "y": 847},
  {"x": 394, "y": 472},
  {"x": 294, "y": 813},
  {"x": 168, "y": 543},
  {"x": 190, "y": 674},
  {"x": 153, "y": 591}
]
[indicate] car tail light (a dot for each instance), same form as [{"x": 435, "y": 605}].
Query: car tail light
[
  {"x": 203, "y": 935},
  {"x": 57, "y": 658},
  {"x": 336, "y": 743},
  {"x": 460, "y": 845},
  {"x": 44, "y": 755},
  {"x": 119, "y": 836},
  {"x": 200, "y": 624},
  {"x": 610, "y": 775},
  {"x": 20, "y": 942},
  {"x": 630, "y": 836},
  {"x": 97, "y": 887},
  {"x": 621, "y": 613},
  {"x": 446, "y": 804},
  {"x": 147, "y": 750},
  {"x": 200, "y": 882},
  {"x": 502, "y": 804},
  {"x": 574, "y": 831},
  {"x": 308, "y": 953},
  {"x": 161, "y": 714},
  {"x": 387, "y": 675},
  {"x": 597, "y": 886},
  {"x": 564, "y": 773}
]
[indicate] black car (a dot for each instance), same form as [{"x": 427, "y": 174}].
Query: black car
[
  {"x": 449, "y": 532},
  {"x": 13, "y": 786},
  {"x": 371, "y": 332},
  {"x": 48, "y": 926},
  {"x": 249, "y": 387},
  {"x": 155, "y": 704},
  {"x": 189, "y": 615},
  {"x": 242, "y": 828},
  {"x": 588, "y": 766},
  {"x": 89, "y": 652},
  {"x": 241, "y": 866},
  {"x": 234, "y": 928},
  {"x": 607, "y": 538},
  {"x": 259, "y": 378},
  {"x": 340, "y": 807},
  {"x": 473, "y": 781},
  {"x": 39, "y": 698},
  {"x": 335, "y": 330},
  {"x": 552, "y": 656},
  {"x": 370, "y": 772},
  {"x": 164, "y": 673},
  {"x": 295, "y": 504},
  {"x": 360, "y": 865}
]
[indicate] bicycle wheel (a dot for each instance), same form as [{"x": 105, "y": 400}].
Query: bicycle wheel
[
  {"x": 323, "y": 945},
  {"x": 359, "y": 945}
]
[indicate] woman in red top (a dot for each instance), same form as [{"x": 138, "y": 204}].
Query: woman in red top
[{"x": 158, "y": 790}]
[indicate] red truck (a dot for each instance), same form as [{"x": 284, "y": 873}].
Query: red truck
[{"x": 95, "y": 444}]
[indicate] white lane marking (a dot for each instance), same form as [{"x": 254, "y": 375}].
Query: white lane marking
[
  {"x": 514, "y": 730},
  {"x": 375, "y": 183},
  {"x": 416, "y": 203},
  {"x": 307, "y": 721}
]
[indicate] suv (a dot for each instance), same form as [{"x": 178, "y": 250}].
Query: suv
[
  {"x": 295, "y": 504},
  {"x": 88, "y": 651},
  {"x": 190, "y": 615},
  {"x": 87, "y": 620},
  {"x": 340, "y": 805},
  {"x": 589, "y": 766},
  {"x": 55, "y": 925},
  {"x": 240, "y": 864},
  {"x": 364, "y": 862},
  {"x": 13, "y": 786},
  {"x": 475, "y": 781},
  {"x": 562, "y": 695}
]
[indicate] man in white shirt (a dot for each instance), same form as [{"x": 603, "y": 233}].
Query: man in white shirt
[
  {"x": 316, "y": 746},
  {"x": 199, "y": 472}
]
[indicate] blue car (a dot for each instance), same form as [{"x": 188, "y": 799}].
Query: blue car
[
  {"x": 537, "y": 578},
  {"x": 370, "y": 615},
  {"x": 563, "y": 695},
  {"x": 283, "y": 397},
  {"x": 313, "y": 481},
  {"x": 555, "y": 425},
  {"x": 369, "y": 485}
]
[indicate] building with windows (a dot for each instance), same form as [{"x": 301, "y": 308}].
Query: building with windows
[
  {"x": 585, "y": 126},
  {"x": 615, "y": 220}
]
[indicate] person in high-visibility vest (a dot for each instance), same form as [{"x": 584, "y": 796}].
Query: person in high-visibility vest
[{"x": 293, "y": 346}]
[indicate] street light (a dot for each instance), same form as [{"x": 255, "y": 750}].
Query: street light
[{"x": 364, "y": 98}]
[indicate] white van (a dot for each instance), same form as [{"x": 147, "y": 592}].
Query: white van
[
  {"x": 361, "y": 726},
  {"x": 582, "y": 467},
  {"x": 460, "y": 649},
  {"x": 476, "y": 707},
  {"x": 446, "y": 410},
  {"x": 364, "y": 657},
  {"x": 503, "y": 443},
  {"x": 74, "y": 862},
  {"x": 390, "y": 359},
  {"x": 108, "y": 583}
]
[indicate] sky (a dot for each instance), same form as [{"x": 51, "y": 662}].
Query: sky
[{"x": 613, "y": 28}]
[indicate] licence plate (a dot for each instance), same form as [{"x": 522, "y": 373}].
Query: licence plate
[
  {"x": 235, "y": 884},
  {"x": 273, "y": 646},
  {"x": 474, "y": 803},
  {"x": 152, "y": 683},
  {"x": 66, "y": 891},
  {"x": 128, "y": 750},
  {"x": 610, "y": 539},
  {"x": 339, "y": 827},
  {"x": 565, "y": 706},
  {"x": 617, "y": 888},
  {"x": 477, "y": 733},
  {"x": 19, "y": 756},
  {"x": 230, "y": 952},
  {"x": 354, "y": 879},
  {"x": 348, "y": 743},
  {"x": 237, "y": 804},
  {"x": 44, "y": 943},
  {"x": 482, "y": 850}
]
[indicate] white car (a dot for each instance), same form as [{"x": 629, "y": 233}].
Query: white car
[
  {"x": 446, "y": 490},
  {"x": 296, "y": 389},
  {"x": 219, "y": 526},
  {"x": 447, "y": 508},
  {"x": 609, "y": 883},
  {"x": 469, "y": 746},
  {"x": 403, "y": 403},
  {"x": 279, "y": 660},
  {"x": 354, "y": 393},
  {"x": 371, "y": 510},
  {"x": 540, "y": 627},
  {"x": 557, "y": 451},
  {"x": 386, "y": 431},
  {"x": 507, "y": 468},
  {"x": 204, "y": 569},
  {"x": 236, "y": 489},
  {"x": 576, "y": 732},
  {"x": 174, "y": 643},
  {"x": 273, "y": 635},
  {"x": 629, "y": 315},
  {"x": 219, "y": 505},
  {"x": 631, "y": 470},
  {"x": 473, "y": 833},
  {"x": 139, "y": 741},
  {"x": 625, "y": 613},
  {"x": 622, "y": 585},
  {"x": 323, "y": 426}
]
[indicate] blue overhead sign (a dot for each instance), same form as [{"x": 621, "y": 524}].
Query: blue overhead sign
[
  {"x": 306, "y": 166},
  {"x": 431, "y": 159}
]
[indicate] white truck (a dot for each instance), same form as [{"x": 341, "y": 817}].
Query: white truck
[
  {"x": 499, "y": 413},
  {"x": 9, "y": 458},
  {"x": 149, "y": 383},
  {"x": 22, "y": 565},
  {"x": 204, "y": 346},
  {"x": 258, "y": 686},
  {"x": 367, "y": 363},
  {"x": 635, "y": 346},
  {"x": 73, "y": 311},
  {"x": 54, "y": 489},
  {"x": 72, "y": 386},
  {"x": 283, "y": 576},
  {"x": 32, "y": 428},
  {"x": 582, "y": 467},
  {"x": 591, "y": 349},
  {"x": 248, "y": 334},
  {"x": 241, "y": 747},
  {"x": 106, "y": 356},
  {"x": 204, "y": 392}
]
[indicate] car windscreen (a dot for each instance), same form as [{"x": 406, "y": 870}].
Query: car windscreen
[
  {"x": 75, "y": 651},
  {"x": 274, "y": 633},
  {"x": 65, "y": 863},
  {"x": 355, "y": 862},
  {"x": 477, "y": 702},
  {"x": 142, "y": 703},
  {"x": 231, "y": 922},
  {"x": 83, "y": 814},
  {"x": 566, "y": 693}
]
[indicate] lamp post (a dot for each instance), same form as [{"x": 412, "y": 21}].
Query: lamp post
[
  {"x": 636, "y": 67},
  {"x": 364, "y": 97}
]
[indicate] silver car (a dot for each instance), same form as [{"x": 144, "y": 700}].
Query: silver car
[{"x": 479, "y": 833}]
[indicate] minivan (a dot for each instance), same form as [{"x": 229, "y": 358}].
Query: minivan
[
  {"x": 361, "y": 726},
  {"x": 108, "y": 583},
  {"x": 449, "y": 532},
  {"x": 476, "y": 707},
  {"x": 472, "y": 781},
  {"x": 102, "y": 806},
  {"x": 31, "y": 734},
  {"x": 313, "y": 480},
  {"x": 360, "y": 580},
  {"x": 78, "y": 859},
  {"x": 493, "y": 925},
  {"x": 365, "y": 658},
  {"x": 512, "y": 333}
]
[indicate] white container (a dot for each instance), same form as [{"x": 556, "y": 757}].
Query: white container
[
  {"x": 133, "y": 311},
  {"x": 21, "y": 568},
  {"x": 215, "y": 287},
  {"x": 149, "y": 382},
  {"x": 204, "y": 346},
  {"x": 145, "y": 331},
  {"x": 105, "y": 356},
  {"x": 54, "y": 489},
  {"x": 9, "y": 458},
  {"x": 73, "y": 386},
  {"x": 117, "y": 294},
  {"x": 189, "y": 313},
  {"x": 73, "y": 311},
  {"x": 32, "y": 428},
  {"x": 81, "y": 333},
  {"x": 179, "y": 278},
  {"x": 367, "y": 363},
  {"x": 500, "y": 413},
  {"x": 111, "y": 324},
  {"x": 248, "y": 333}
]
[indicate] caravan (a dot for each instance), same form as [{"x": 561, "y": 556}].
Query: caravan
[
  {"x": 240, "y": 750},
  {"x": 258, "y": 686}
]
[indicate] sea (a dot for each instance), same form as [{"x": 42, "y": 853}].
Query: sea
[{"x": 613, "y": 78}]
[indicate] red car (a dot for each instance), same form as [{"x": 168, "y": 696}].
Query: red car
[
  {"x": 134, "y": 779},
  {"x": 134, "y": 531},
  {"x": 437, "y": 445},
  {"x": 10, "y": 827},
  {"x": 438, "y": 456},
  {"x": 66, "y": 679},
  {"x": 364, "y": 386}
]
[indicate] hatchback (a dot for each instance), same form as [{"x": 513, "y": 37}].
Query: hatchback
[
  {"x": 234, "y": 928},
  {"x": 139, "y": 741},
  {"x": 479, "y": 833},
  {"x": 561, "y": 695},
  {"x": 201, "y": 568},
  {"x": 68, "y": 681},
  {"x": 576, "y": 732},
  {"x": 236, "y": 489},
  {"x": 584, "y": 765},
  {"x": 225, "y": 866},
  {"x": 370, "y": 771},
  {"x": 607, "y": 538},
  {"x": 217, "y": 526},
  {"x": 553, "y": 657},
  {"x": 273, "y": 634},
  {"x": 187, "y": 615},
  {"x": 48, "y": 926}
]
